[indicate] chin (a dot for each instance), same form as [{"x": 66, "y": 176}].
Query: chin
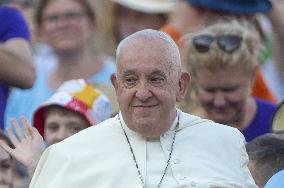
[
  {"x": 219, "y": 118},
  {"x": 144, "y": 121},
  {"x": 223, "y": 120}
]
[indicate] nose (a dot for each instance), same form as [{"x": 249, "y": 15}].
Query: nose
[
  {"x": 143, "y": 92},
  {"x": 219, "y": 99},
  {"x": 61, "y": 134},
  {"x": 62, "y": 22}
]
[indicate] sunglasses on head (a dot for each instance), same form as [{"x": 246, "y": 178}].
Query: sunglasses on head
[{"x": 227, "y": 42}]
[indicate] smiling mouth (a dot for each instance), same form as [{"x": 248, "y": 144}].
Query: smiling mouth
[{"x": 144, "y": 106}]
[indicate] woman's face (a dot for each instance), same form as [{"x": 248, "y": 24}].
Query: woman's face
[
  {"x": 224, "y": 93},
  {"x": 66, "y": 26}
]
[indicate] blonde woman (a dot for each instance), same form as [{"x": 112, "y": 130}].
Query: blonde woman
[{"x": 223, "y": 59}]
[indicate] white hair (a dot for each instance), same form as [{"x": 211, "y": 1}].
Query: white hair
[{"x": 151, "y": 35}]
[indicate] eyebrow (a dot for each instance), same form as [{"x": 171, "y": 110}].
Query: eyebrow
[
  {"x": 51, "y": 123},
  {"x": 158, "y": 72},
  {"x": 128, "y": 72}
]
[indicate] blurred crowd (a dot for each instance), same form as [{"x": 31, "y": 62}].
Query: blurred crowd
[{"x": 57, "y": 57}]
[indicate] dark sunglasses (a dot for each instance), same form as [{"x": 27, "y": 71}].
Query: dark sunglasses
[{"x": 228, "y": 43}]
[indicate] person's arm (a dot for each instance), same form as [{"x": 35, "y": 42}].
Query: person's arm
[
  {"x": 28, "y": 148},
  {"x": 276, "y": 17},
  {"x": 16, "y": 64},
  {"x": 16, "y": 60}
]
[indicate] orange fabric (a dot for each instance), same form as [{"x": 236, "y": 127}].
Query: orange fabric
[
  {"x": 259, "y": 89},
  {"x": 171, "y": 31}
]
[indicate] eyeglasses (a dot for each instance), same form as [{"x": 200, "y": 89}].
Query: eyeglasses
[
  {"x": 228, "y": 43},
  {"x": 68, "y": 16}
]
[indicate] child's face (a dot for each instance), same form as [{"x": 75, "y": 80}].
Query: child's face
[{"x": 62, "y": 123}]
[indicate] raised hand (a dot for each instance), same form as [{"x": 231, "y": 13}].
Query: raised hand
[{"x": 28, "y": 148}]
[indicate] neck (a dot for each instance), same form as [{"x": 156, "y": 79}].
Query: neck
[
  {"x": 75, "y": 66},
  {"x": 153, "y": 139},
  {"x": 152, "y": 130},
  {"x": 134, "y": 157},
  {"x": 248, "y": 115}
]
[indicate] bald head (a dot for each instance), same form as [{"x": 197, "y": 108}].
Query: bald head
[{"x": 158, "y": 42}]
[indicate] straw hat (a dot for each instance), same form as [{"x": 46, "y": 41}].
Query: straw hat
[
  {"x": 148, "y": 6},
  {"x": 77, "y": 96},
  {"x": 278, "y": 119}
]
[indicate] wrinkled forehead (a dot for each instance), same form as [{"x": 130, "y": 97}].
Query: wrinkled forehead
[
  {"x": 148, "y": 51},
  {"x": 146, "y": 64},
  {"x": 146, "y": 70}
]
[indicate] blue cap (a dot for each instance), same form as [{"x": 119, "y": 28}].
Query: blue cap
[{"x": 234, "y": 6}]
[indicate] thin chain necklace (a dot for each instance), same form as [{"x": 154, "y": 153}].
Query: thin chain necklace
[{"x": 135, "y": 161}]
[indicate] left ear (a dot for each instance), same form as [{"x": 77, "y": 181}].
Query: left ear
[{"x": 183, "y": 84}]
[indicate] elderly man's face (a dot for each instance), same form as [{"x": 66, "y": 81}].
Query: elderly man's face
[{"x": 147, "y": 86}]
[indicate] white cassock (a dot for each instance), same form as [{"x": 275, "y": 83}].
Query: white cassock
[{"x": 205, "y": 155}]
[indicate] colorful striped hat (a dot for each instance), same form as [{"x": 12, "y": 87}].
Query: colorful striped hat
[{"x": 77, "y": 96}]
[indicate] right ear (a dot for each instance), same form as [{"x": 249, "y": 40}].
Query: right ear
[{"x": 113, "y": 79}]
